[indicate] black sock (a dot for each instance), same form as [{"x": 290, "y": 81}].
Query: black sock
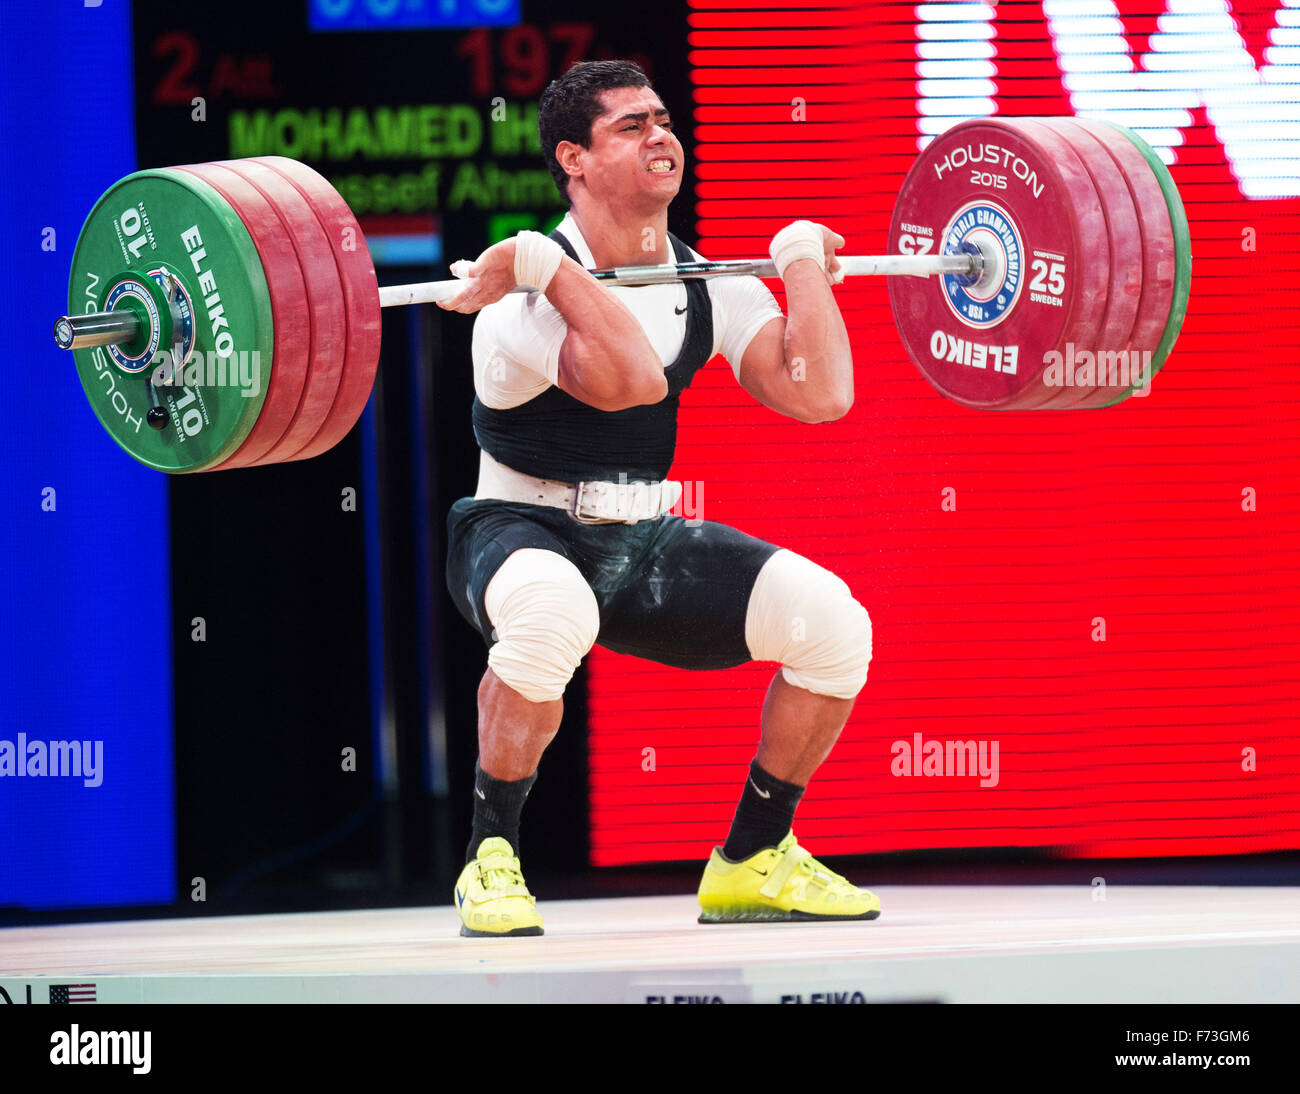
[
  {"x": 764, "y": 816},
  {"x": 497, "y": 805}
]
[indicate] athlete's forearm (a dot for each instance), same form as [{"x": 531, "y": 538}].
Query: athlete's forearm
[
  {"x": 607, "y": 360},
  {"x": 816, "y": 341}
]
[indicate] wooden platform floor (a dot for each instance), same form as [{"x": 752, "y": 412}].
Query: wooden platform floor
[{"x": 943, "y": 943}]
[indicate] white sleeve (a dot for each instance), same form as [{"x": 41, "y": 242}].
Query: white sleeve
[
  {"x": 742, "y": 306},
  {"x": 516, "y": 349}
]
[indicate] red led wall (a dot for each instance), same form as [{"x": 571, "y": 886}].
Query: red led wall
[{"x": 1173, "y": 736}]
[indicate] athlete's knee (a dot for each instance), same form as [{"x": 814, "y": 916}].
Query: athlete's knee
[
  {"x": 807, "y": 618},
  {"x": 545, "y": 619}
]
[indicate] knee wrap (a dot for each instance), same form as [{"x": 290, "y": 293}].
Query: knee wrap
[
  {"x": 545, "y": 619},
  {"x": 807, "y": 619}
]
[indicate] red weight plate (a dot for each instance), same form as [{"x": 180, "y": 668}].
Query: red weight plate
[
  {"x": 1096, "y": 379},
  {"x": 329, "y": 322},
  {"x": 1028, "y": 203},
  {"x": 360, "y": 295},
  {"x": 1158, "y": 244},
  {"x": 286, "y": 373},
  {"x": 1050, "y": 393}
]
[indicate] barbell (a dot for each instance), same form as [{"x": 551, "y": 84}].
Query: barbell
[{"x": 227, "y": 315}]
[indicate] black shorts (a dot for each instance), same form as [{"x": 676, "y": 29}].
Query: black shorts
[{"x": 668, "y": 589}]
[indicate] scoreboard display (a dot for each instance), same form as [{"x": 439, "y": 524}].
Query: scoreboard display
[{"x": 1085, "y": 622}]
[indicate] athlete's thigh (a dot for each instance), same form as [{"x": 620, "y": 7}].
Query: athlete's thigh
[
  {"x": 481, "y": 535},
  {"x": 685, "y": 603}
]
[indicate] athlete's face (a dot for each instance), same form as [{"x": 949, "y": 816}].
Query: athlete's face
[{"x": 635, "y": 160}]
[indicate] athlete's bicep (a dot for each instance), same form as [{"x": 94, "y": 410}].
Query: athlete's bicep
[
  {"x": 743, "y": 309},
  {"x": 516, "y": 350},
  {"x": 762, "y": 370}
]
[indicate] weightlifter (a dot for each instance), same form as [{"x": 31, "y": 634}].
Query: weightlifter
[{"x": 569, "y": 542}]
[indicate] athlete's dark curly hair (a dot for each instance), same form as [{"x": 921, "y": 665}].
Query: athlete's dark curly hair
[{"x": 570, "y": 104}]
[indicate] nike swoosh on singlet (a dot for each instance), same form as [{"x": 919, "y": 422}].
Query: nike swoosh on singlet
[
  {"x": 679, "y": 311},
  {"x": 484, "y": 796},
  {"x": 761, "y": 793}
]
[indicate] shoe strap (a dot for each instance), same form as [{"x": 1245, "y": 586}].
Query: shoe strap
[
  {"x": 510, "y": 866},
  {"x": 501, "y": 891},
  {"x": 789, "y": 863}
]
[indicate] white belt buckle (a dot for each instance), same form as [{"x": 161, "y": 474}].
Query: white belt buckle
[
  {"x": 577, "y": 506},
  {"x": 625, "y": 507}
]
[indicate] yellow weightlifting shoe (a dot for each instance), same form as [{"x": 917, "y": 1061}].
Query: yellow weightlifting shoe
[
  {"x": 779, "y": 884},
  {"x": 491, "y": 896}
]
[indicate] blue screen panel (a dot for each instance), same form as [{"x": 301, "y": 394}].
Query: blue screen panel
[{"x": 85, "y": 578}]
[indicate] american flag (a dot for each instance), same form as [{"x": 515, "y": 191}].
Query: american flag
[{"x": 72, "y": 993}]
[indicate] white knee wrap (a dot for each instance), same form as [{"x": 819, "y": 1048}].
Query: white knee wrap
[
  {"x": 546, "y": 619},
  {"x": 807, "y": 619}
]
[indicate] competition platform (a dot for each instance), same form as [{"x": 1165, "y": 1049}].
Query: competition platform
[{"x": 932, "y": 944}]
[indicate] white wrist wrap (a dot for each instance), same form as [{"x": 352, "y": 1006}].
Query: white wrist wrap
[
  {"x": 802, "y": 239},
  {"x": 536, "y": 259}
]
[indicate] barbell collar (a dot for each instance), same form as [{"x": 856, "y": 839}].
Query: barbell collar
[{"x": 103, "y": 328}]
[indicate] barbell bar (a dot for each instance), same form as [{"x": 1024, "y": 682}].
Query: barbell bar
[
  {"x": 1037, "y": 264},
  {"x": 106, "y": 328}
]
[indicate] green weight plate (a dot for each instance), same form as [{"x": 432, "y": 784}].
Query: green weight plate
[
  {"x": 1182, "y": 249},
  {"x": 159, "y": 222}
]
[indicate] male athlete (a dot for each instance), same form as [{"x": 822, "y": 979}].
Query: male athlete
[{"x": 577, "y": 389}]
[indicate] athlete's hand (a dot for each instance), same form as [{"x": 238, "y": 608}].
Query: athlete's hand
[
  {"x": 804, "y": 239},
  {"x": 487, "y": 279},
  {"x": 832, "y": 242}
]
